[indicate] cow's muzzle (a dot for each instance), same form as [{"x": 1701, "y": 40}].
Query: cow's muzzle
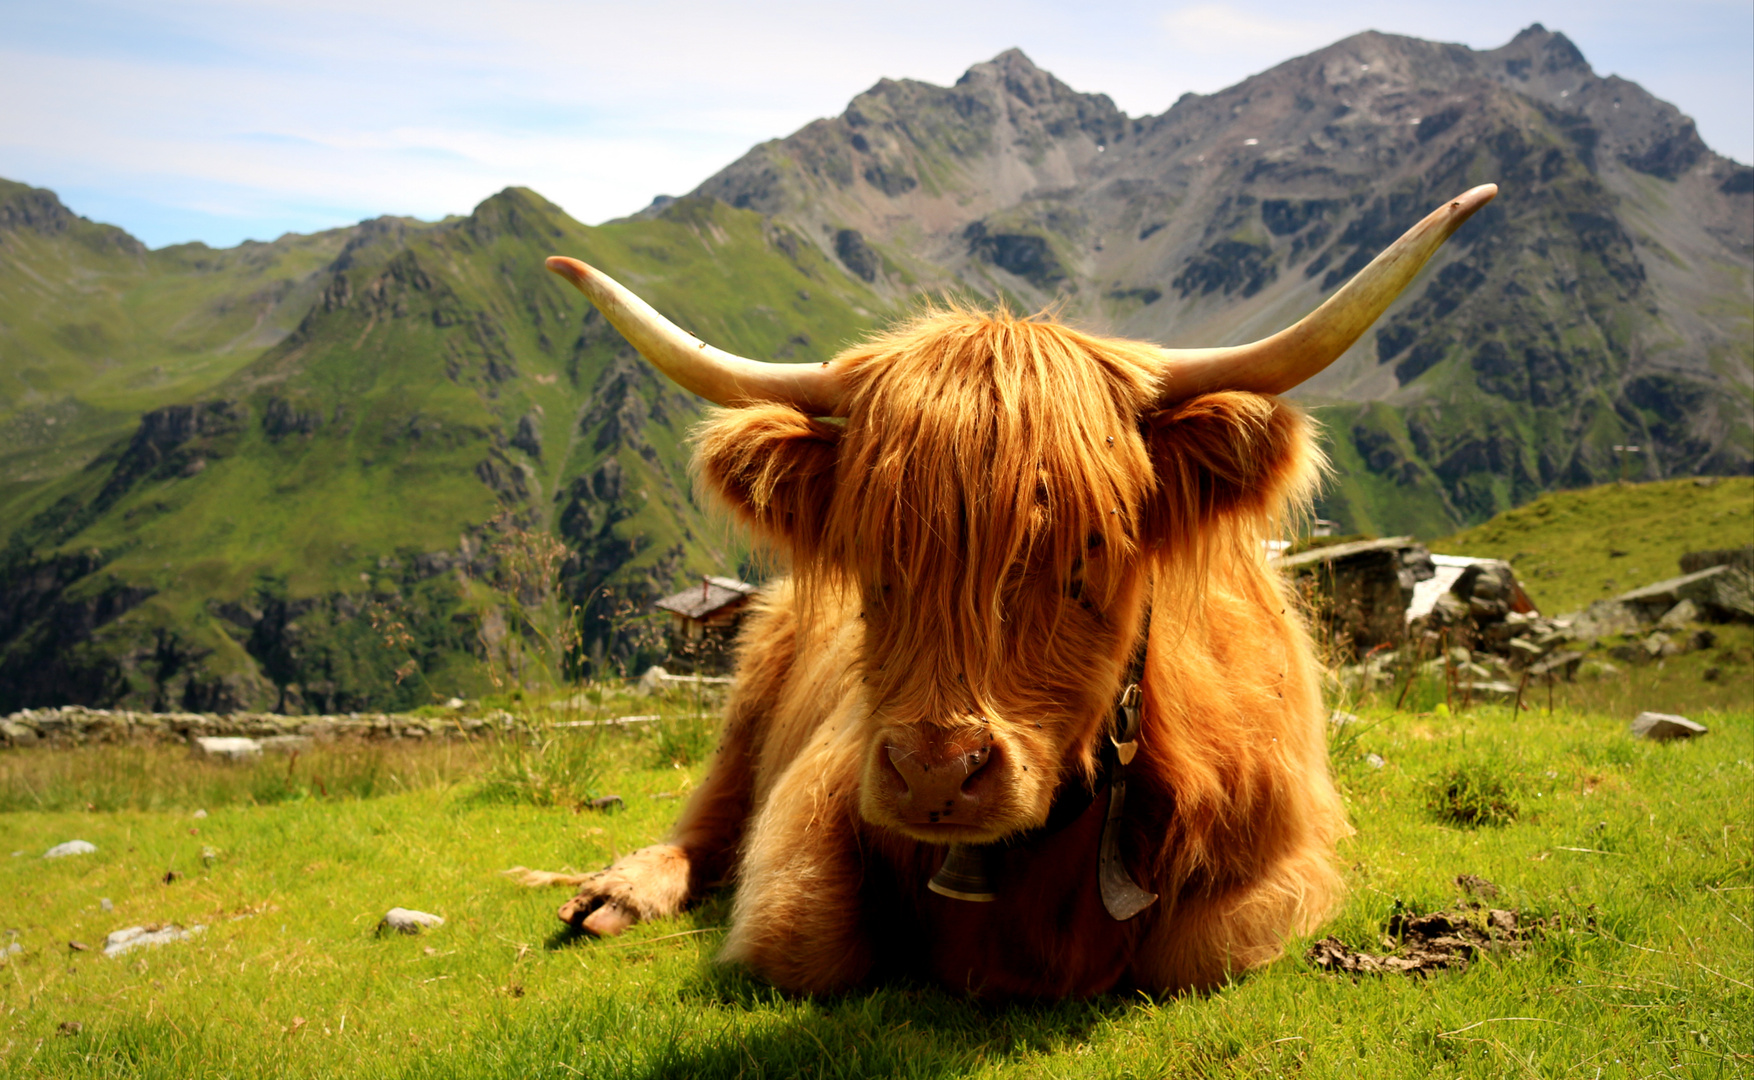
[{"x": 940, "y": 782}]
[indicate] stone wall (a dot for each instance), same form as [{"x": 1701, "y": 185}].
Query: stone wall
[{"x": 76, "y": 725}]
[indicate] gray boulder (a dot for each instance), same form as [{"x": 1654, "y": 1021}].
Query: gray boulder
[
  {"x": 1725, "y": 593},
  {"x": 1604, "y": 618},
  {"x": 406, "y": 921},
  {"x": 229, "y": 747},
  {"x": 1695, "y": 561},
  {"x": 140, "y": 937},
  {"x": 1677, "y": 617},
  {"x": 1664, "y": 727}
]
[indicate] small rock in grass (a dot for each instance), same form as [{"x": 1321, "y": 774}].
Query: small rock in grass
[
  {"x": 1659, "y": 646},
  {"x": 229, "y": 747},
  {"x": 405, "y": 921},
  {"x": 78, "y": 946},
  {"x": 71, "y": 847},
  {"x": 607, "y": 802},
  {"x": 1341, "y": 719},
  {"x": 1677, "y": 617},
  {"x": 286, "y": 744},
  {"x": 104, "y": 902},
  {"x": 1665, "y": 726},
  {"x": 70, "y": 1027},
  {"x": 1599, "y": 669},
  {"x": 12, "y": 949},
  {"x": 1375, "y": 761},
  {"x": 199, "y": 814},
  {"x": 653, "y": 680},
  {"x": 139, "y": 937}
]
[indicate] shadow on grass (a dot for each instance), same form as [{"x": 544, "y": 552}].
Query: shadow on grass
[
  {"x": 726, "y": 1023},
  {"x": 722, "y": 1021}
]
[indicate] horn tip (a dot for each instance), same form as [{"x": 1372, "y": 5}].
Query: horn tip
[
  {"x": 1474, "y": 198},
  {"x": 571, "y": 269}
]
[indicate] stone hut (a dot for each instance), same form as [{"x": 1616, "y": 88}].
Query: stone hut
[
  {"x": 1360, "y": 592},
  {"x": 704, "y": 620}
]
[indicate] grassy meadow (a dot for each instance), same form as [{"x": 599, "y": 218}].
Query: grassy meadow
[
  {"x": 1635, "y": 860},
  {"x": 1571, "y": 548}
]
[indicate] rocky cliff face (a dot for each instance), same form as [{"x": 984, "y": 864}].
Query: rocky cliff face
[{"x": 1603, "y": 300}]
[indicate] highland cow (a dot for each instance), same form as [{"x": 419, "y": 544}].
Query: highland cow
[{"x": 1031, "y": 716}]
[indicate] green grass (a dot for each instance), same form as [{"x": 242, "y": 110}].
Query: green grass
[
  {"x": 1574, "y": 547},
  {"x": 97, "y": 330},
  {"x": 1647, "y": 966}
]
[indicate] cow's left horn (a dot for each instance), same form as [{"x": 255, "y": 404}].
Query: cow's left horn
[
  {"x": 1276, "y": 364},
  {"x": 721, "y": 377}
]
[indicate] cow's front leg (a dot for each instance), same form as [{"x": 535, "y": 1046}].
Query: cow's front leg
[
  {"x": 659, "y": 881},
  {"x": 797, "y": 919}
]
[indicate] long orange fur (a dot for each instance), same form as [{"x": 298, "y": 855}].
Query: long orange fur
[{"x": 972, "y": 552}]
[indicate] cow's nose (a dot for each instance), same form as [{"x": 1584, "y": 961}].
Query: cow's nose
[{"x": 945, "y": 790}]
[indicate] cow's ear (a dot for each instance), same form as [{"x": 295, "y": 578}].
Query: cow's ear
[
  {"x": 1229, "y": 457},
  {"x": 774, "y": 466}
]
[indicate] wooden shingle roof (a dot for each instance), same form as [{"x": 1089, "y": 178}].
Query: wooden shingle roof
[{"x": 712, "y": 594}]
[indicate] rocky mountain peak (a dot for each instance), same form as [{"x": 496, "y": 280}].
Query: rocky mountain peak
[
  {"x": 1540, "y": 51},
  {"x": 38, "y": 210},
  {"x": 1234, "y": 212}
]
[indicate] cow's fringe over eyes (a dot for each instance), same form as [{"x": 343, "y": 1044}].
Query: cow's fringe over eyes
[
  {"x": 1010, "y": 443},
  {"x": 1006, "y": 440},
  {"x": 1026, "y": 449}
]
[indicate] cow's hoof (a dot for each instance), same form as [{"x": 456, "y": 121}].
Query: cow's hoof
[{"x": 596, "y": 916}]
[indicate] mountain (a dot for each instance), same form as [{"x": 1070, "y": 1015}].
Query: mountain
[
  {"x": 323, "y": 523},
  {"x": 304, "y": 475},
  {"x": 95, "y": 329},
  {"x": 1603, "y": 299}
]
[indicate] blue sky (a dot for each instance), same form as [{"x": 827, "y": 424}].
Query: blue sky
[{"x": 250, "y": 118}]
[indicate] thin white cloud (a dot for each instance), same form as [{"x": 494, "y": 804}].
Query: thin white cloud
[
  {"x": 1226, "y": 30},
  {"x": 426, "y": 106}
]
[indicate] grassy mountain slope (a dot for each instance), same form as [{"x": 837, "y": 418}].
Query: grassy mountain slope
[
  {"x": 95, "y": 329},
  {"x": 259, "y": 544},
  {"x": 1571, "y": 548}
]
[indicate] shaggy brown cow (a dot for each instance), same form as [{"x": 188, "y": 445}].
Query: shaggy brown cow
[{"x": 1007, "y": 525}]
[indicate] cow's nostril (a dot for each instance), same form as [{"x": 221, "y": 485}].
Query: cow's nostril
[{"x": 900, "y": 765}]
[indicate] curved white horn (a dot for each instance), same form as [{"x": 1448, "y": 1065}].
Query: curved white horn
[
  {"x": 1275, "y": 364},
  {"x": 721, "y": 377}
]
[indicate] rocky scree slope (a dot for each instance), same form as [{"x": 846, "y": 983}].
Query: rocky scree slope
[{"x": 1606, "y": 297}]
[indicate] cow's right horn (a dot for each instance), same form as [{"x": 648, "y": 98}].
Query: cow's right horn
[
  {"x": 721, "y": 377},
  {"x": 1275, "y": 364}
]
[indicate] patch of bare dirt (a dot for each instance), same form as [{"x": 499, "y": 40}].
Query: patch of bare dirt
[{"x": 1417, "y": 944}]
